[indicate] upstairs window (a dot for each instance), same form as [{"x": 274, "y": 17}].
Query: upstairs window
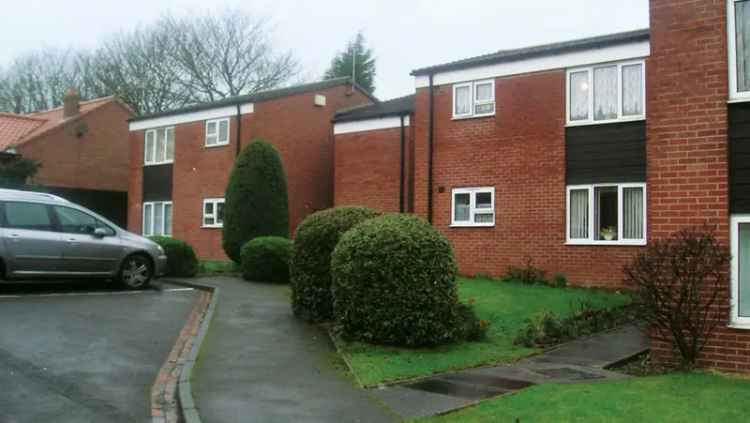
[
  {"x": 739, "y": 49},
  {"x": 217, "y": 132},
  {"x": 607, "y": 214},
  {"x": 606, "y": 93},
  {"x": 159, "y": 146},
  {"x": 473, "y": 207},
  {"x": 474, "y": 99},
  {"x": 213, "y": 213}
]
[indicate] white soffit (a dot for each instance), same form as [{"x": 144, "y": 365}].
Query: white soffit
[
  {"x": 557, "y": 61},
  {"x": 369, "y": 125},
  {"x": 171, "y": 120}
]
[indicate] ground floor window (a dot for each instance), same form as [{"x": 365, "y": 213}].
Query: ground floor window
[
  {"x": 606, "y": 214},
  {"x": 213, "y": 213},
  {"x": 157, "y": 218},
  {"x": 473, "y": 207},
  {"x": 740, "y": 234}
]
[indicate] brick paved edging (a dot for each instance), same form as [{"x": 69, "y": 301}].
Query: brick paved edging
[{"x": 171, "y": 394}]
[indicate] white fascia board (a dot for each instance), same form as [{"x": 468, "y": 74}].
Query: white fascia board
[
  {"x": 201, "y": 115},
  {"x": 369, "y": 125},
  {"x": 629, "y": 51}
]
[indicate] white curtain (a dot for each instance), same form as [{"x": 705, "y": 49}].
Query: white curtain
[
  {"x": 158, "y": 218},
  {"x": 605, "y": 93},
  {"x": 170, "y": 144},
  {"x": 632, "y": 90},
  {"x": 463, "y": 100},
  {"x": 632, "y": 206},
  {"x": 147, "y": 217},
  {"x": 167, "y": 219},
  {"x": 742, "y": 18},
  {"x": 579, "y": 96},
  {"x": 149, "y": 146},
  {"x": 744, "y": 269},
  {"x": 463, "y": 207},
  {"x": 579, "y": 214}
]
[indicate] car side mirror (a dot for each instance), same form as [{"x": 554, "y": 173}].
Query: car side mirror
[{"x": 100, "y": 232}]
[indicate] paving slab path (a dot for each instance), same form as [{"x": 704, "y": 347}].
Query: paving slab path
[{"x": 260, "y": 364}]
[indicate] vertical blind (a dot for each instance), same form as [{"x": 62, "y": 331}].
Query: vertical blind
[
  {"x": 632, "y": 90},
  {"x": 632, "y": 207},
  {"x": 579, "y": 214}
]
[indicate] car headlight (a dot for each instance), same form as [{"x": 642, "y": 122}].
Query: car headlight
[{"x": 160, "y": 249}]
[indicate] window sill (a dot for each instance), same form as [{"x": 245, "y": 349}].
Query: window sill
[
  {"x": 471, "y": 225},
  {"x": 733, "y": 100},
  {"x": 158, "y": 164},
  {"x": 605, "y": 122},
  {"x": 737, "y": 325},
  {"x": 472, "y": 117},
  {"x": 609, "y": 243},
  {"x": 215, "y": 145},
  {"x": 212, "y": 226}
]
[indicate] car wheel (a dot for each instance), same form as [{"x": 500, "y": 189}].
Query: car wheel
[{"x": 136, "y": 272}]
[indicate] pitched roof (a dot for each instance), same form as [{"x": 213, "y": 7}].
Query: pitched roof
[
  {"x": 537, "y": 51},
  {"x": 395, "y": 107},
  {"x": 19, "y": 129},
  {"x": 257, "y": 97}
]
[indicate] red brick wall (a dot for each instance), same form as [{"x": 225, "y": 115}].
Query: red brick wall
[
  {"x": 520, "y": 152},
  {"x": 97, "y": 160},
  {"x": 367, "y": 169},
  {"x": 298, "y": 129},
  {"x": 687, "y": 142}
]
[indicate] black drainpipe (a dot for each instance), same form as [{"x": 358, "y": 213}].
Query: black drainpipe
[
  {"x": 430, "y": 136},
  {"x": 239, "y": 131},
  {"x": 403, "y": 159}
]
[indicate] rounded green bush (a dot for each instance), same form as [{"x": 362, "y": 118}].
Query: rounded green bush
[
  {"x": 310, "y": 268},
  {"x": 256, "y": 202},
  {"x": 266, "y": 259},
  {"x": 181, "y": 258},
  {"x": 394, "y": 283}
]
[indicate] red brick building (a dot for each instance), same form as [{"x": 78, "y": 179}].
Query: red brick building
[
  {"x": 577, "y": 154},
  {"x": 182, "y": 158},
  {"x": 83, "y": 151}
]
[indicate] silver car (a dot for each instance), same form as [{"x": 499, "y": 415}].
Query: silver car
[{"x": 45, "y": 236}]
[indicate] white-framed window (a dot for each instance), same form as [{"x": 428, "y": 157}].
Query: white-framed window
[
  {"x": 473, "y": 207},
  {"x": 740, "y": 265},
  {"x": 213, "y": 213},
  {"x": 217, "y": 132},
  {"x": 474, "y": 99},
  {"x": 738, "y": 26},
  {"x": 157, "y": 218},
  {"x": 606, "y": 93},
  {"x": 606, "y": 214},
  {"x": 159, "y": 146}
]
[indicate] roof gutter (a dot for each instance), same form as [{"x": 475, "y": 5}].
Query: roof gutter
[{"x": 430, "y": 140}]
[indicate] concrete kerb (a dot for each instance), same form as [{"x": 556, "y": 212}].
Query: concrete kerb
[{"x": 186, "y": 403}]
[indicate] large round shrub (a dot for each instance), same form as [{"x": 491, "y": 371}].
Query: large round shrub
[
  {"x": 314, "y": 242},
  {"x": 256, "y": 202},
  {"x": 266, "y": 259},
  {"x": 394, "y": 283},
  {"x": 181, "y": 259}
]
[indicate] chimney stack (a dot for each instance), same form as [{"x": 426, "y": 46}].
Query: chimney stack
[{"x": 71, "y": 104}]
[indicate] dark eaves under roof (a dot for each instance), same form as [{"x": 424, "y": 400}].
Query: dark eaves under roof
[
  {"x": 538, "y": 51},
  {"x": 396, "y": 107},
  {"x": 258, "y": 97}
]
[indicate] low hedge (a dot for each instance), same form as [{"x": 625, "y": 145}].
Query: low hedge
[
  {"x": 310, "y": 267},
  {"x": 394, "y": 283},
  {"x": 266, "y": 259},
  {"x": 181, "y": 259}
]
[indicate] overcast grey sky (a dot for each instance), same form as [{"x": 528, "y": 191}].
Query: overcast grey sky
[{"x": 404, "y": 34}]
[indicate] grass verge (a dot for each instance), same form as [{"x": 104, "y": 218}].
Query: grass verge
[{"x": 506, "y": 305}]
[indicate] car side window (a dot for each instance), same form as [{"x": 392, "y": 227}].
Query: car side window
[
  {"x": 77, "y": 222},
  {"x": 30, "y": 216}
]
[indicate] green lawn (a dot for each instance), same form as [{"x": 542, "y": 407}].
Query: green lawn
[
  {"x": 505, "y": 304},
  {"x": 217, "y": 267},
  {"x": 679, "y": 398}
]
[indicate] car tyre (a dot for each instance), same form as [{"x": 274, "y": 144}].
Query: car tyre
[{"x": 136, "y": 272}]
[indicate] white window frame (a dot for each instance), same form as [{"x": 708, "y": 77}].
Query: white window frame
[
  {"x": 473, "y": 96},
  {"x": 214, "y": 215},
  {"x": 150, "y": 231},
  {"x": 155, "y": 160},
  {"x": 472, "y": 207},
  {"x": 735, "y": 320},
  {"x": 218, "y": 142},
  {"x": 734, "y": 94},
  {"x": 590, "y": 70},
  {"x": 590, "y": 240}
]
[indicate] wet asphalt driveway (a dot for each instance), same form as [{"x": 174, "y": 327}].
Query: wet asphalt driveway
[{"x": 84, "y": 353}]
